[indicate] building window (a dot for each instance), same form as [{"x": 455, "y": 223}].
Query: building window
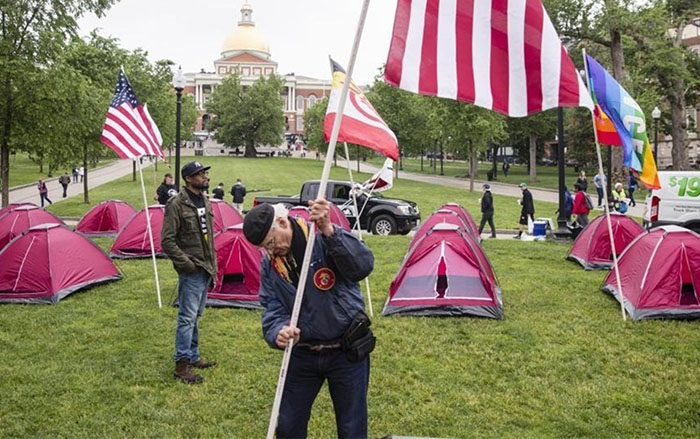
[
  {"x": 300, "y": 103},
  {"x": 300, "y": 123},
  {"x": 257, "y": 71},
  {"x": 222, "y": 70},
  {"x": 246, "y": 71},
  {"x": 312, "y": 101}
]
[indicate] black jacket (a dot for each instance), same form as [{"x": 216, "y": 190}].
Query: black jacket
[
  {"x": 164, "y": 193},
  {"x": 238, "y": 192},
  {"x": 527, "y": 203},
  {"x": 583, "y": 182},
  {"x": 487, "y": 203}
]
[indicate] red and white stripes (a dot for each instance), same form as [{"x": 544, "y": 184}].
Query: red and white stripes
[{"x": 504, "y": 55}]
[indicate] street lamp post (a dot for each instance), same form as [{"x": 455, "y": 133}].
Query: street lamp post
[
  {"x": 656, "y": 115},
  {"x": 179, "y": 85},
  {"x": 562, "y": 232}
]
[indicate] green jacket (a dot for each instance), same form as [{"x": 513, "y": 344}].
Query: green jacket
[{"x": 182, "y": 239}]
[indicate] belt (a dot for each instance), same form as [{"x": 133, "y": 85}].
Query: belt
[{"x": 319, "y": 347}]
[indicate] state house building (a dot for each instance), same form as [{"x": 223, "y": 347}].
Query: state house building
[{"x": 245, "y": 51}]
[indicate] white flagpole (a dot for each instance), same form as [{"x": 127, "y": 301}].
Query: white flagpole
[
  {"x": 357, "y": 223},
  {"x": 150, "y": 233},
  {"x": 312, "y": 229},
  {"x": 605, "y": 199}
]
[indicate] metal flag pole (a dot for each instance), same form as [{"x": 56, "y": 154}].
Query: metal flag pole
[
  {"x": 357, "y": 223},
  {"x": 150, "y": 233},
  {"x": 312, "y": 229},
  {"x": 605, "y": 198}
]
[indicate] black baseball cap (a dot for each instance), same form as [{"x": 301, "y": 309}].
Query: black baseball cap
[
  {"x": 192, "y": 168},
  {"x": 258, "y": 222}
]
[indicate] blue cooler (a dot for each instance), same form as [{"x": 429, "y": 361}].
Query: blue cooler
[{"x": 539, "y": 228}]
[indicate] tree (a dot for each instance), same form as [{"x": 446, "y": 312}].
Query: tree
[
  {"x": 248, "y": 116},
  {"x": 314, "y": 118},
  {"x": 530, "y": 130},
  {"x": 32, "y": 34}
]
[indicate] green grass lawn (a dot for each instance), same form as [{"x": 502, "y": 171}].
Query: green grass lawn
[
  {"x": 286, "y": 175},
  {"x": 561, "y": 364},
  {"x": 547, "y": 176},
  {"x": 24, "y": 171}
]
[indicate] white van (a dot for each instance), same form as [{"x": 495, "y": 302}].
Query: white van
[{"x": 677, "y": 202}]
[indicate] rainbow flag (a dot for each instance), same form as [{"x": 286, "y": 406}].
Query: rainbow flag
[
  {"x": 627, "y": 118},
  {"x": 605, "y": 128}
]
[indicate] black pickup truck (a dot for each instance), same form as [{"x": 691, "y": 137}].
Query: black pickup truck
[{"x": 381, "y": 216}]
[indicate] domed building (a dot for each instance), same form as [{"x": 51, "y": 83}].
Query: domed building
[{"x": 245, "y": 51}]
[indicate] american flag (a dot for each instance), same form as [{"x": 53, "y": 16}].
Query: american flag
[
  {"x": 129, "y": 129},
  {"x": 504, "y": 55}
]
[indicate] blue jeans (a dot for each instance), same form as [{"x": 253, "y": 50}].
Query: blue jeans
[
  {"x": 347, "y": 383},
  {"x": 600, "y": 195},
  {"x": 192, "y": 296}
]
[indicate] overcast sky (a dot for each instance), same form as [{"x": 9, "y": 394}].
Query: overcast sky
[{"x": 301, "y": 33}]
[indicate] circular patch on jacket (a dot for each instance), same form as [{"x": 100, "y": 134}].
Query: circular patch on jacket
[{"x": 324, "y": 279}]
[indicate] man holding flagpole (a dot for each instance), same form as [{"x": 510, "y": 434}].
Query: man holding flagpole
[
  {"x": 187, "y": 239},
  {"x": 332, "y": 340}
]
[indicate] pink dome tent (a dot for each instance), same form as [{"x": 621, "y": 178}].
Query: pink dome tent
[
  {"x": 22, "y": 218},
  {"x": 225, "y": 216},
  {"x": 12, "y": 206},
  {"x": 441, "y": 216},
  {"x": 464, "y": 214},
  {"x": 238, "y": 278},
  {"x": 660, "y": 275},
  {"x": 48, "y": 262},
  {"x": 133, "y": 241},
  {"x": 446, "y": 273},
  {"x": 106, "y": 219},
  {"x": 592, "y": 246},
  {"x": 337, "y": 216}
]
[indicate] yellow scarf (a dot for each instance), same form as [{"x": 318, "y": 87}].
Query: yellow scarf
[{"x": 279, "y": 263}]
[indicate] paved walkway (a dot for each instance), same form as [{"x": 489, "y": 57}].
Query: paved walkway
[
  {"x": 510, "y": 190},
  {"x": 99, "y": 177}
]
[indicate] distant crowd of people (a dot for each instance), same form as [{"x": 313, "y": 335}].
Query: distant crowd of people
[{"x": 167, "y": 189}]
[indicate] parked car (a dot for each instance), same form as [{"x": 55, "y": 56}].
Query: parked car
[
  {"x": 677, "y": 202},
  {"x": 381, "y": 216}
]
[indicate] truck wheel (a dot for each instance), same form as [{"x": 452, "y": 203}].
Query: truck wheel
[{"x": 384, "y": 225}]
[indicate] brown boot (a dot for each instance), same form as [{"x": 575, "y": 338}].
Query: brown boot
[
  {"x": 184, "y": 373},
  {"x": 201, "y": 364}
]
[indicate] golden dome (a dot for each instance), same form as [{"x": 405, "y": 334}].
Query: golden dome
[{"x": 246, "y": 36}]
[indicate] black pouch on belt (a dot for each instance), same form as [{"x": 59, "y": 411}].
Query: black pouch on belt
[{"x": 358, "y": 341}]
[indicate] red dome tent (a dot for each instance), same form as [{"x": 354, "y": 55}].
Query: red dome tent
[
  {"x": 22, "y": 218},
  {"x": 12, "y": 206},
  {"x": 441, "y": 216},
  {"x": 592, "y": 246},
  {"x": 238, "y": 278},
  {"x": 660, "y": 274},
  {"x": 225, "y": 216},
  {"x": 106, "y": 219},
  {"x": 133, "y": 242},
  {"x": 337, "y": 216},
  {"x": 50, "y": 261},
  {"x": 464, "y": 214},
  {"x": 445, "y": 274}
]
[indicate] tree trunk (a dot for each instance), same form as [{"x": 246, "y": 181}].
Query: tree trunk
[
  {"x": 679, "y": 133},
  {"x": 533, "y": 158},
  {"x": 471, "y": 167},
  {"x": 41, "y": 166},
  {"x": 86, "y": 196},
  {"x": 5, "y": 144},
  {"x": 250, "y": 149}
]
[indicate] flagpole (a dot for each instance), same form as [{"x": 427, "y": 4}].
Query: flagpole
[
  {"x": 150, "y": 233},
  {"x": 605, "y": 198},
  {"x": 312, "y": 229},
  {"x": 357, "y": 222}
]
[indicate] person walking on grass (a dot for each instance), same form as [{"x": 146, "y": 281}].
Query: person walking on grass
[
  {"x": 582, "y": 181},
  {"x": 43, "y": 192},
  {"x": 75, "y": 175},
  {"x": 218, "y": 192},
  {"x": 81, "y": 173},
  {"x": 333, "y": 340},
  {"x": 487, "y": 210},
  {"x": 238, "y": 192},
  {"x": 506, "y": 168},
  {"x": 580, "y": 206},
  {"x": 600, "y": 181},
  {"x": 632, "y": 183},
  {"x": 527, "y": 211},
  {"x": 187, "y": 239},
  {"x": 65, "y": 181}
]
